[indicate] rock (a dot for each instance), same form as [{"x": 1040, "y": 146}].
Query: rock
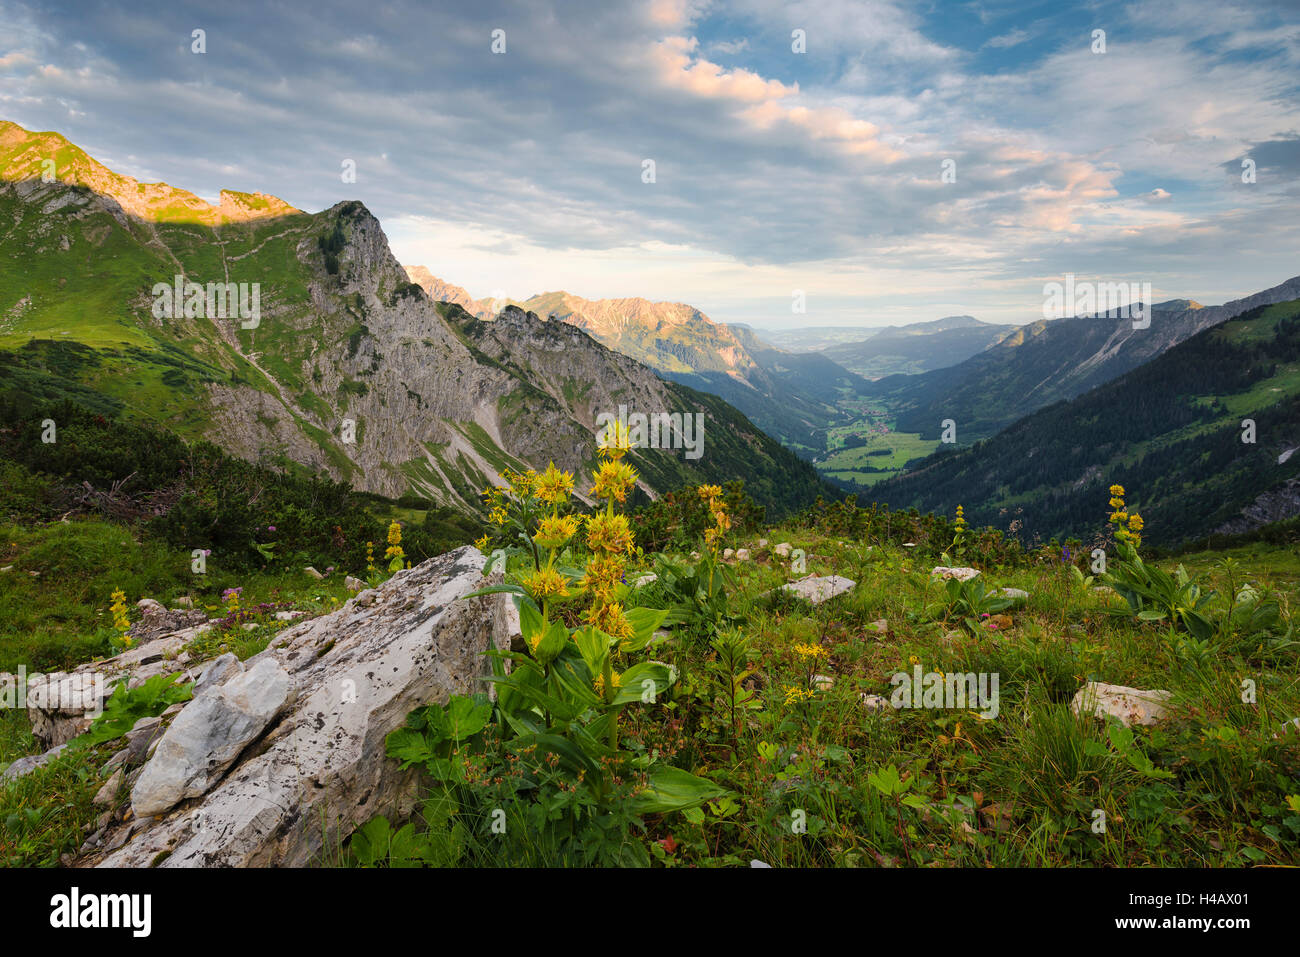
[
  {"x": 290, "y": 615},
  {"x": 782, "y": 550},
  {"x": 61, "y": 706},
  {"x": 173, "y": 709},
  {"x": 728, "y": 554},
  {"x": 875, "y": 702},
  {"x": 184, "y": 602},
  {"x": 313, "y": 573},
  {"x": 206, "y": 737},
  {"x": 150, "y": 607},
  {"x": 816, "y": 589},
  {"x": 962, "y": 574},
  {"x": 108, "y": 793},
  {"x": 7, "y": 568},
  {"x": 742, "y": 554},
  {"x": 353, "y": 584},
  {"x": 366, "y": 598},
  {"x": 218, "y": 671},
  {"x": 762, "y": 543},
  {"x": 321, "y": 771},
  {"x": 757, "y": 863},
  {"x": 1130, "y": 705},
  {"x": 822, "y": 682},
  {"x": 30, "y": 763},
  {"x": 1015, "y": 594},
  {"x": 880, "y": 626},
  {"x": 250, "y": 626},
  {"x": 644, "y": 580},
  {"x": 909, "y": 544}
]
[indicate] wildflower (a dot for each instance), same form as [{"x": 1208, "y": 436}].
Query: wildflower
[
  {"x": 710, "y": 492},
  {"x": 554, "y": 486},
  {"x": 794, "y": 695},
  {"x": 809, "y": 651},
  {"x": 270, "y": 528},
  {"x": 613, "y": 479},
  {"x": 482, "y": 544},
  {"x": 609, "y": 618},
  {"x": 554, "y": 531},
  {"x": 546, "y": 583},
  {"x": 498, "y": 515},
  {"x": 614, "y": 441},
  {"x": 604, "y": 574},
  {"x": 609, "y": 533}
]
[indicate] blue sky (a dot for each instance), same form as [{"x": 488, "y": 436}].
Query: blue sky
[{"x": 776, "y": 171}]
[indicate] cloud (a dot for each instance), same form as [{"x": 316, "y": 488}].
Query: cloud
[{"x": 821, "y": 169}]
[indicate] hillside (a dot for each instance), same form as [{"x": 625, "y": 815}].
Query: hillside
[
  {"x": 348, "y": 368},
  {"x": 1046, "y": 361},
  {"x": 920, "y": 347},
  {"x": 792, "y": 397},
  {"x": 1169, "y": 431}
]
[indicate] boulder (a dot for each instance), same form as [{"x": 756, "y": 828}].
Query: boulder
[
  {"x": 642, "y": 581},
  {"x": 30, "y": 763},
  {"x": 728, "y": 554},
  {"x": 822, "y": 682},
  {"x": 319, "y": 770},
  {"x": 962, "y": 573},
  {"x": 782, "y": 550},
  {"x": 1017, "y": 595},
  {"x": 148, "y": 606},
  {"x": 353, "y": 584},
  {"x": 1130, "y": 705},
  {"x": 880, "y": 626},
  {"x": 817, "y": 589},
  {"x": 206, "y": 737},
  {"x": 313, "y": 573},
  {"x": 875, "y": 702},
  {"x": 742, "y": 554}
]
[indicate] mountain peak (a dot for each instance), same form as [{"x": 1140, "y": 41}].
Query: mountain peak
[{"x": 31, "y": 158}]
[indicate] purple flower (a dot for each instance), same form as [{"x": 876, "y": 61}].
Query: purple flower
[{"x": 270, "y": 528}]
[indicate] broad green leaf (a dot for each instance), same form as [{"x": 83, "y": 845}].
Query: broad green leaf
[{"x": 672, "y": 789}]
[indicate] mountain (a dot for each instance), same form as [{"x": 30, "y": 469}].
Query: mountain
[
  {"x": 338, "y": 362},
  {"x": 815, "y": 338},
  {"x": 793, "y": 399},
  {"x": 1170, "y": 431},
  {"x": 1046, "y": 361},
  {"x": 919, "y": 347}
]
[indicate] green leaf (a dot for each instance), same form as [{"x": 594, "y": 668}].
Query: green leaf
[
  {"x": 644, "y": 621},
  {"x": 593, "y": 645},
  {"x": 672, "y": 789},
  {"x": 466, "y": 717},
  {"x": 640, "y": 679}
]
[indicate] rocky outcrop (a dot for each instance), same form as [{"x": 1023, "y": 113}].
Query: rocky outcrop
[
  {"x": 334, "y": 688},
  {"x": 815, "y": 589},
  {"x": 1272, "y": 506},
  {"x": 1129, "y": 705}
]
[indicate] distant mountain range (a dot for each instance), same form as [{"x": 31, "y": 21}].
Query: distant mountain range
[
  {"x": 1172, "y": 431},
  {"x": 1046, "y": 361},
  {"x": 348, "y": 367},
  {"x": 919, "y": 347},
  {"x": 792, "y": 396}
]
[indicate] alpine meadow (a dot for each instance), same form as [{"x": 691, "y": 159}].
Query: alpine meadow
[{"x": 660, "y": 434}]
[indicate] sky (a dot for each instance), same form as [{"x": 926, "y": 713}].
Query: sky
[{"x": 798, "y": 147}]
